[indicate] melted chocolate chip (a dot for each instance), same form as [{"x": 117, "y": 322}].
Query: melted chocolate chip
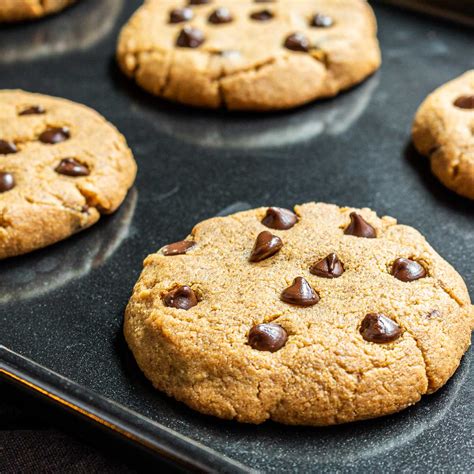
[
  {"x": 279, "y": 218},
  {"x": 71, "y": 167},
  {"x": 182, "y": 297},
  {"x": 300, "y": 293},
  {"x": 198, "y": 2},
  {"x": 297, "y": 42},
  {"x": 265, "y": 246},
  {"x": 178, "y": 248},
  {"x": 359, "y": 227},
  {"x": 262, "y": 15},
  {"x": 55, "y": 135},
  {"x": 33, "y": 110},
  {"x": 6, "y": 148},
  {"x": 178, "y": 15},
  {"x": 267, "y": 337},
  {"x": 7, "y": 181},
  {"x": 433, "y": 314},
  {"x": 328, "y": 267},
  {"x": 322, "y": 21},
  {"x": 465, "y": 102},
  {"x": 376, "y": 327},
  {"x": 190, "y": 37},
  {"x": 407, "y": 270},
  {"x": 220, "y": 15}
]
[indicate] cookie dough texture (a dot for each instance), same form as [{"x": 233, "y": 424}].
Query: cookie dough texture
[
  {"x": 244, "y": 64},
  {"x": 326, "y": 373},
  {"x": 18, "y": 10},
  {"x": 445, "y": 133},
  {"x": 45, "y": 206}
]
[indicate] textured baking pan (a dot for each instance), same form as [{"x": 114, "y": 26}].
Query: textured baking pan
[{"x": 62, "y": 307}]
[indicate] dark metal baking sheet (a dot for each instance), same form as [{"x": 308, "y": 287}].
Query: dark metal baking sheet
[{"x": 62, "y": 307}]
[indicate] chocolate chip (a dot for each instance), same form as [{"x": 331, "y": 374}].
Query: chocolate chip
[
  {"x": 264, "y": 1},
  {"x": 7, "y": 181},
  {"x": 198, "y": 2},
  {"x": 359, "y": 227},
  {"x": 33, "y": 110},
  {"x": 465, "y": 102},
  {"x": 279, "y": 218},
  {"x": 55, "y": 135},
  {"x": 190, "y": 37},
  {"x": 328, "y": 267},
  {"x": 7, "y": 148},
  {"x": 178, "y": 248},
  {"x": 262, "y": 15},
  {"x": 300, "y": 293},
  {"x": 71, "y": 167},
  {"x": 182, "y": 297},
  {"x": 265, "y": 246},
  {"x": 322, "y": 21},
  {"x": 220, "y": 15},
  {"x": 297, "y": 42},
  {"x": 407, "y": 270},
  {"x": 377, "y": 327},
  {"x": 178, "y": 15},
  {"x": 267, "y": 337}
]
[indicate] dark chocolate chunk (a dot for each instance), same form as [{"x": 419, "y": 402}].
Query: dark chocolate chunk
[
  {"x": 322, "y": 21},
  {"x": 55, "y": 135},
  {"x": 328, "y": 267},
  {"x": 465, "y": 102},
  {"x": 220, "y": 15},
  {"x": 199, "y": 2},
  {"x": 182, "y": 297},
  {"x": 267, "y": 337},
  {"x": 376, "y": 327},
  {"x": 190, "y": 37},
  {"x": 300, "y": 293},
  {"x": 407, "y": 270},
  {"x": 262, "y": 15},
  {"x": 297, "y": 42},
  {"x": 7, "y": 181},
  {"x": 279, "y": 218},
  {"x": 179, "y": 15},
  {"x": 359, "y": 227},
  {"x": 33, "y": 110},
  {"x": 265, "y": 246},
  {"x": 71, "y": 167},
  {"x": 178, "y": 248},
  {"x": 7, "y": 147}
]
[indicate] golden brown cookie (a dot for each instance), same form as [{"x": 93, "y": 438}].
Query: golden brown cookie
[
  {"x": 17, "y": 10},
  {"x": 246, "y": 54},
  {"x": 322, "y": 316},
  {"x": 444, "y": 131},
  {"x": 61, "y": 166}
]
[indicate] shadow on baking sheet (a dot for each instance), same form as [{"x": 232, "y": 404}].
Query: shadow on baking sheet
[
  {"x": 338, "y": 445},
  {"x": 78, "y": 28},
  {"x": 421, "y": 165},
  {"x": 226, "y": 129},
  {"x": 47, "y": 269}
]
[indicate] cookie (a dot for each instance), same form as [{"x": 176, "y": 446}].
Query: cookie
[
  {"x": 443, "y": 130},
  {"x": 18, "y": 10},
  {"x": 319, "y": 316},
  {"x": 248, "y": 54},
  {"x": 61, "y": 166}
]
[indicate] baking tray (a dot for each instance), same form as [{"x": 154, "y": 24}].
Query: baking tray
[{"x": 61, "y": 309}]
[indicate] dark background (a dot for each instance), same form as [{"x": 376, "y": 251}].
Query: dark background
[{"x": 63, "y": 306}]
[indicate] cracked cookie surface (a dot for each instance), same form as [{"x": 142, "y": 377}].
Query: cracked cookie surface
[
  {"x": 443, "y": 130},
  {"x": 18, "y": 10},
  {"x": 244, "y": 54},
  {"x": 62, "y": 165},
  {"x": 324, "y": 316}
]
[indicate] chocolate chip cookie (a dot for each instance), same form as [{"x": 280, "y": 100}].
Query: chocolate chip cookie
[
  {"x": 444, "y": 131},
  {"x": 316, "y": 316},
  {"x": 17, "y": 10},
  {"x": 61, "y": 166},
  {"x": 249, "y": 54}
]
